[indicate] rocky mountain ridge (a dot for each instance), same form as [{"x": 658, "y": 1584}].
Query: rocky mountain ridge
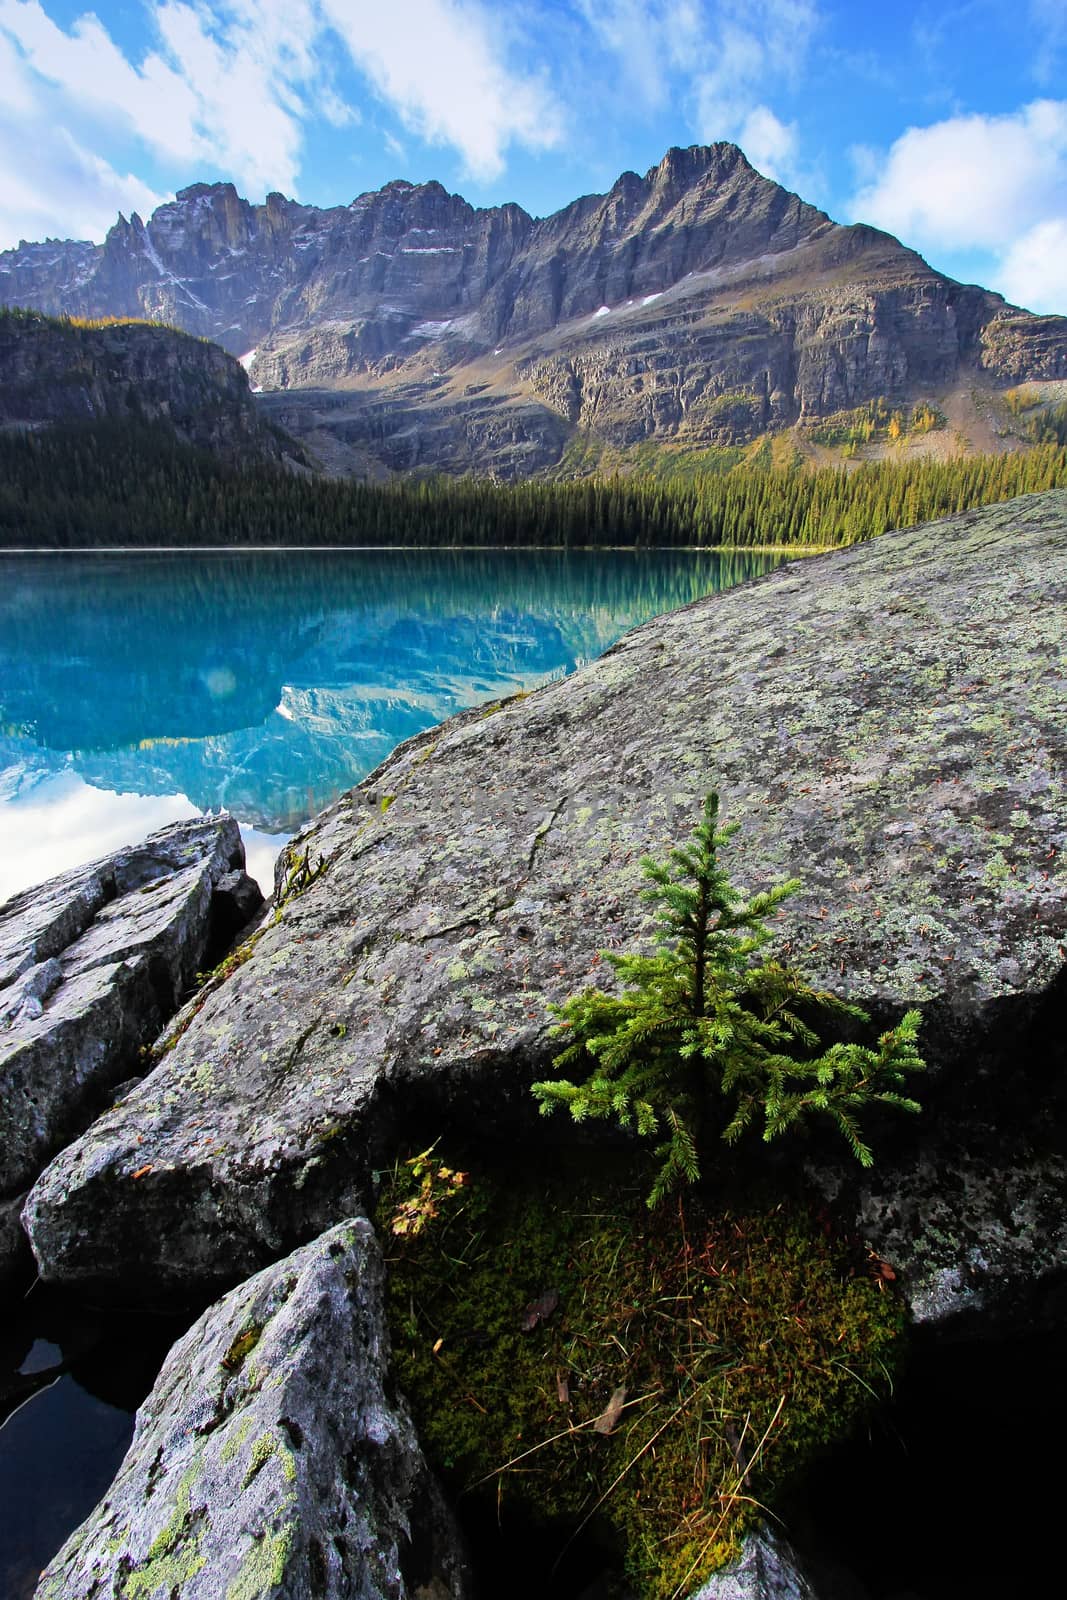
[
  {"x": 699, "y": 305},
  {"x": 61, "y": 371}
]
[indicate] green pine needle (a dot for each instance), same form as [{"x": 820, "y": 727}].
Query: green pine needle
[{"x": 705, "y": 1036}]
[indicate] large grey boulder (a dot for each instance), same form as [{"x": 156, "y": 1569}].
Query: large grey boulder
[
  {"x": 886, "y": 722},
  {"x": 270, "y": 1459},
  {"x": 92, "y": 964}
]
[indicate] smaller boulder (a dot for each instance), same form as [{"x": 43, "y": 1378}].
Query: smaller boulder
[
  {"x": 270, "y": 1459},
  {"x": 92, "y": 964},
  {"x": 16, "y": 1257},
  {"x": 767, "y": 1569},
  {"x": 975, "y": 1227}
]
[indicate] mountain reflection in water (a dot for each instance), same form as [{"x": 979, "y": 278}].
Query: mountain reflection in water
[{"x": 269, "y": 682}]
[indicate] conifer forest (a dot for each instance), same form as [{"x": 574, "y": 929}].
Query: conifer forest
[{"x": 104, "y": 483}]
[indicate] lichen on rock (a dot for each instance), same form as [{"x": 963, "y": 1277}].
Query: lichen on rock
[{"x": 296, "y": 1472}]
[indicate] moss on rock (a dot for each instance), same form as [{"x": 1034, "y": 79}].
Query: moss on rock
[{"x": 693, "y": 1360}]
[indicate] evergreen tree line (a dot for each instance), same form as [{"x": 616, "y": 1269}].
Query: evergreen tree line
[
  {"x": 131, "y": 484},
  {"x": 1049, "y": 427}
]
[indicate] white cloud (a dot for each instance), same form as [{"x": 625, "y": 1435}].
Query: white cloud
[
  {"x": 760, "y": 47},
  {"x": 721, "y": 59},
  {"x": 866, "y": 163},
  {"x": 724, "y": 91},
  {"x": 1048, "y": 21},
  {"x": 994, "y": 183},
  {"x": 441, "y": 67},
  {"x": 770, "y": 145},
  {"x": 73, "y": 194},
  {"x": 67, "y": 190},
  {"x": 651, "y": 39},
  {"x": 1033, "y": 272},
  {"x": 248, "y": 77},
  {"x": 89, "y": 70},
  {"x": 224, "y": 88},
  {"x": 336, "y": 111},
  {"x": 972, "y": 180},
  {"x": 231, "y": 86},
  {"x": 15, "y": 96},
  {"x": 394, "y": 147}
]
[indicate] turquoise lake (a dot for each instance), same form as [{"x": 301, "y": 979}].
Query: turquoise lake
[{"x": 139, "y": 688}]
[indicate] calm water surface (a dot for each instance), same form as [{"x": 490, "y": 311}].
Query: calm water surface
[
  {"x": 70, "y": 1378},
  {"x": 137, "y": 689}
]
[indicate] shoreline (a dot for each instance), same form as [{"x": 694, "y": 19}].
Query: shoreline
[{"x": 337, "y": 549}]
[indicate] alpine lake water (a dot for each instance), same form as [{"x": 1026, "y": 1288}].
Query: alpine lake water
[
  {"x": 139, "y": 688},
  {"x": 136, "y": 689}
]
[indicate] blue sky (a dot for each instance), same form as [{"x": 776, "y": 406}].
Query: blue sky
[{"x": 944, "y": 122}]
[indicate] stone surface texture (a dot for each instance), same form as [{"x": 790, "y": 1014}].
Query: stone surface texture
[
  {"x": 768, "y": 1569},
  {"x": 16, "y": 1259},
  {"x": 700, "y": 304},
  {"x": 886, "y": 722},
  {"x": 92, "y": 964},
  {"x": 979, "y": 1232},
  {"x": 270, "y": 1459}
]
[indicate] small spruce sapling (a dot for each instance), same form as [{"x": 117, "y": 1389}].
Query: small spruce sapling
[{"x": 706, "y": 1036}]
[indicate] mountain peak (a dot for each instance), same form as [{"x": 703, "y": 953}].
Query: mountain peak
[
  {"x": 197, "y": 191},
  {"x": 689, "y": 163}
]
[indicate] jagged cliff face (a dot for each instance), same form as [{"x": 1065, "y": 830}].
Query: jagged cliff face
[
  {"x": 60, "y": 372},
  {"x": 213, "y": 264},
  {"x": 700, "y": 304},
  {"x": 701, "y": 210}
]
